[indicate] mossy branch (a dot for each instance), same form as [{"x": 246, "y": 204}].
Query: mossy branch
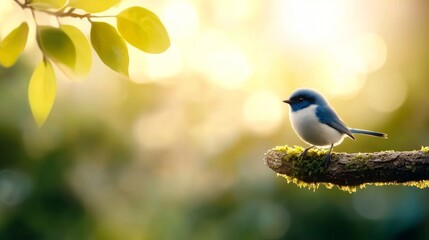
[{"x": 348, "y": 171}]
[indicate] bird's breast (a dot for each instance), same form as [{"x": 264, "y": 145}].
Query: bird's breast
[{"x": 308, "y": 127}]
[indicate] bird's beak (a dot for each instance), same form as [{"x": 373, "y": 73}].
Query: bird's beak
[{"x": 287, "y": 101}]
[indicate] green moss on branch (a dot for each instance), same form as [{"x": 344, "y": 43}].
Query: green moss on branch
[{"x": 349, "y": 171}]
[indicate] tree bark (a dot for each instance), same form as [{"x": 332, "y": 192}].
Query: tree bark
[{"x": 351, "y": 169}]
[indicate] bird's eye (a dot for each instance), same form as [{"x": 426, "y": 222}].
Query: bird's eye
[{"x": 300, "y": 99}]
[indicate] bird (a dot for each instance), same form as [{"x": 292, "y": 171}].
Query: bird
[{"x": 317, "y": 124}]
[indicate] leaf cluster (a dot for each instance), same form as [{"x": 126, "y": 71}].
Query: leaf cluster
[{"x": 68, "y": 48}]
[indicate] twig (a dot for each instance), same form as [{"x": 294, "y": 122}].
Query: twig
[
  {"x": 351, "y": 170},
  {"x": 60, "y": 13}
]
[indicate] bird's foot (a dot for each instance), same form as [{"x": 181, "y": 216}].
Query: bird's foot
[
  {"x": 328, "y": 158},
  {"x": 327, "y": 161},
  {"x": 302, "y": 155}
]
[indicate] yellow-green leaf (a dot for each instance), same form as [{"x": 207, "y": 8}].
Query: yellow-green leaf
[
  {"x": 46, "y": 4},
  {"x": 57, "y": 45},
  {"x": 93, "y": 6},
  {"x": 41, "y": 91},
  {"x": 13, "y": 45},
  {"x": 143, "y": 29},
  {"x": 83, "y": 51},
  {"x": 110, "y": 47}
]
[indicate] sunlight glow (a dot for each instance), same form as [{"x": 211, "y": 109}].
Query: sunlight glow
[
  {"x": 152, "y": 67},
  {"x": 216, "y": 56},
  {"x": 387, "y": 93},
  {"x": 344, "y": 82},
  {"x": 10, "y": 11},
  {"x": 373, "y": 51},
  {"x": 262, "y": 112},
  {"x": 165, "y": 65},
  {"x": 351, "y": 60},
  {"x": 231, "y": 12},
  {"x": 181, "y": 19},
  {"x": 310, "y": 22},
  {"x": 328, "y": 33}
]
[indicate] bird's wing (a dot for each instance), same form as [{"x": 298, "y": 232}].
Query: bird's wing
[{"x": 327, "y": 116}]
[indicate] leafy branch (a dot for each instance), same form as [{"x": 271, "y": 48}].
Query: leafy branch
[
  {"x": 350, "y": 171},
  {"x": 68, "y": 48}
]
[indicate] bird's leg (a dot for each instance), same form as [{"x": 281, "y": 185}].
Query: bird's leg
[
  {"x": 302, "y": 155},
  {"x": 328, "y": 158}
]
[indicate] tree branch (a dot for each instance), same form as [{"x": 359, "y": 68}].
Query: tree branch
[{"x": 350, "y": 170}]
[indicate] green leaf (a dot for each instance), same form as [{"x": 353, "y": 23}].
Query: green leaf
[
  {"x": 110, "y": 47},
  {"x": 93, "y": 6},
  {"x": 46, "y": 4},
  {"x": 41, "y": 91},
  {"x": 57, "y": 45},
  {"x": 143, "y": 29},
  {"x": 13, "y": 45},
  {"x": 83, "y": 51}
]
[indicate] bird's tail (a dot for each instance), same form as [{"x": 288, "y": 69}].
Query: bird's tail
[{"x": 367, "y": 132}]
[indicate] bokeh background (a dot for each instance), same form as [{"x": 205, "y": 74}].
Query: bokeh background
[{"x": 175, "y": 152}]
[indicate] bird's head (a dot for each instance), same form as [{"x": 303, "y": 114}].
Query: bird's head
[{"x": 303, "y": 98}]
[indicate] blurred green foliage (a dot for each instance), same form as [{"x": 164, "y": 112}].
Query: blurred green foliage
[{"x": 152, "y": 205}]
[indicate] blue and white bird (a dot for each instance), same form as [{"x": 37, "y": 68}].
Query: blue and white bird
[{"x": 317, "y": 124}]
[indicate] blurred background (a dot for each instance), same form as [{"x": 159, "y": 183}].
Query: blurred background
[{"x": 175, "y": 152}]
